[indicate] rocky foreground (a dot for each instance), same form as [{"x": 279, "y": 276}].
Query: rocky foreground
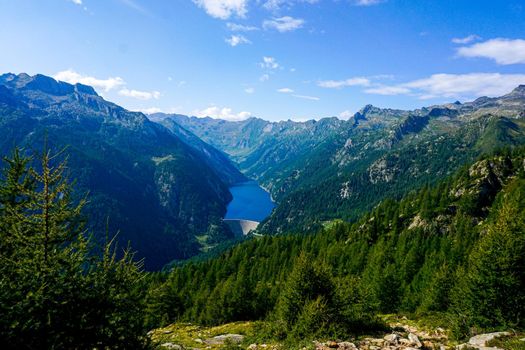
[{"x": 403, "y": 337}]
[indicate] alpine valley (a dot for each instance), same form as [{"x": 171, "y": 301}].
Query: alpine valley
[{"x": 393, "y": 229}]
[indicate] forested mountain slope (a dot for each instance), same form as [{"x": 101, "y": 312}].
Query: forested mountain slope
[
  {"x": 455, "y": 248},
  {"x": 319, "y": 171},
  {"x": 156, "y": 189}
]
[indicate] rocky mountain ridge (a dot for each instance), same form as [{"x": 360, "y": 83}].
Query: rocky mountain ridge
[{"x": 157, "y": 188}]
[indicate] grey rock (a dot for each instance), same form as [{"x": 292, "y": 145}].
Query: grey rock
[
  {"x": 221, "y": 339},
  {"x": 482, "y": 339},
  {"x": 414, "y": 340}
]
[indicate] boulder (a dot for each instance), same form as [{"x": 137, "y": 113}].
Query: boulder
[
  {"x": 481, "y": 340},
  {"x": 391, "y": 339},
  {"x": 171, "y": 346},
  {"x": 414, "y": 340},
  {"x": 346, "y": 346},
  {"x": 221, "y": 339}
]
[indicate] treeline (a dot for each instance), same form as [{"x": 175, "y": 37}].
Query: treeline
[
  {"x": 55, "y": 293},
  {"x": 457, "y": 248}
]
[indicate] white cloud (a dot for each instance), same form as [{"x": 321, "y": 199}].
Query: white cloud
[
  {"x": 285, "y": 90},
  {"x": 346, "y": 115},
  {"x": 223, "y": 9},
  {"x": 304, "y": 97},
  {"x": 283, "y": 24},
  {"x": 466, "y": 40},
  {"x": 153, "y": 110},
  {"x": 235, "y": 40},
  {"x": 225, "y": 113},
  {"x": 455, "y": 86},
  {"x": 388, "y": 90},
  {"x": 503, "y": 51},
  {"x": 76, "y": 2},
  {"x": 368, "y": 2},
  {"x": 234, "y": 27},
  {"x": 275, "y": 5},
  {"x": 140, "y": 95},
  {"x": 264, "y": 77},
  {"x": 249, "y": 90},
  {"x": 338, "y": 84},
  {"x": 269, "y": 63},
  {"x": 72, "y": 77}
]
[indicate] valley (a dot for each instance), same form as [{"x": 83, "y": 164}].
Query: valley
[
  {"x": 389, "y": 212},
  {"x": 262, "y": 175}
]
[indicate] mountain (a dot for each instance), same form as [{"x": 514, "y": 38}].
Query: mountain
[
  {"x": 156, "y": 188},
  {"x": 453, "y": 251},
  {"x": 217, "y": 160},
  {"x": 328, "y": 169}
]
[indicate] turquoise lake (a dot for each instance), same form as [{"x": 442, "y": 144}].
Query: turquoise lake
[{"x": 250, "y": 202}]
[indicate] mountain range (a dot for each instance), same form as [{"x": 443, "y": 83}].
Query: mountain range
[
  {"x": 161, "y": 181},
  {"x": 329, "y": 169}
]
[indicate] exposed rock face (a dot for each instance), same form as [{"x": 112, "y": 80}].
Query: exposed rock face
[{"x": 382, "y": 170}]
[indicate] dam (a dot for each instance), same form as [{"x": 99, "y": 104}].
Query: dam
[
  {"x": 241, "y": 227},
  {"x": 250, "y": 205}
]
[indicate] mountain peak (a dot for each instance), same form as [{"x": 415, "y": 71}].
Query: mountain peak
[
  {"x": 520, "y": 90},
  {"x": 44, "y": 83}
]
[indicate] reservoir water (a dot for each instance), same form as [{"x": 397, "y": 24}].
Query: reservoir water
[{"x": 250, "y": 202}]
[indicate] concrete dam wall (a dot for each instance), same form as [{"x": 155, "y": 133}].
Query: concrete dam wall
[{"x": 241, "y": 227}]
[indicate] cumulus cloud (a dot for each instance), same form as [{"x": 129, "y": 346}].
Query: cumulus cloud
[
  {"x": 338, "y": 84},
  {"x": 269, "y": 63},
  {"x": 235, "y": 40},
  {"x": 285, "y": 90},
  {"x": 234, "y": 27},
  {"x": 223, "y": 9},
  {"x": 140, "y": 95},
  {"x": 283, "y": 24},
  {"x": 346, "y": 115},
  {"x": 368, "y": 2},
  {"x": 466, "y": 40},
  {"x": 153, "y": 110},
  {"x": 72, "y": 77},
  {"x": 249, "y": 90},
  {"x": 76, "y": 2},
  {"x": 264, "y": 77},
  {"x": 503, "y": 51},
  {"x": 225, "y": 113},
  {"x": 388, "y": 90},
  {"x": 454, "y": 86},
  {"x": 305, "y": 97},
  {"x": 275, "y": 5}
]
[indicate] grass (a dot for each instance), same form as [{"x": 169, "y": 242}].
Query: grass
[
  {"x": 189, "y": 335},
  {"x": 513, "y": 342}
]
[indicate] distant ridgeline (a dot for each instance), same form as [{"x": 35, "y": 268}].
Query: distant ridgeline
[{"x": 328, "y": 169}]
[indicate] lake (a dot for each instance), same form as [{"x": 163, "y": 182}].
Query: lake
[{"x": 250, "y": 202}]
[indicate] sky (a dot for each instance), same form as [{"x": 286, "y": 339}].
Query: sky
[{"x": 273, "y": 59}]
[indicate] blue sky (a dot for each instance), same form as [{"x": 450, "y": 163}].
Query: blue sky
[{"x": 274, "y": 59}]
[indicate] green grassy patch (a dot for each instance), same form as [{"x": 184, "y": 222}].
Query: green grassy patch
[{"x": 514, "y": 342}]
